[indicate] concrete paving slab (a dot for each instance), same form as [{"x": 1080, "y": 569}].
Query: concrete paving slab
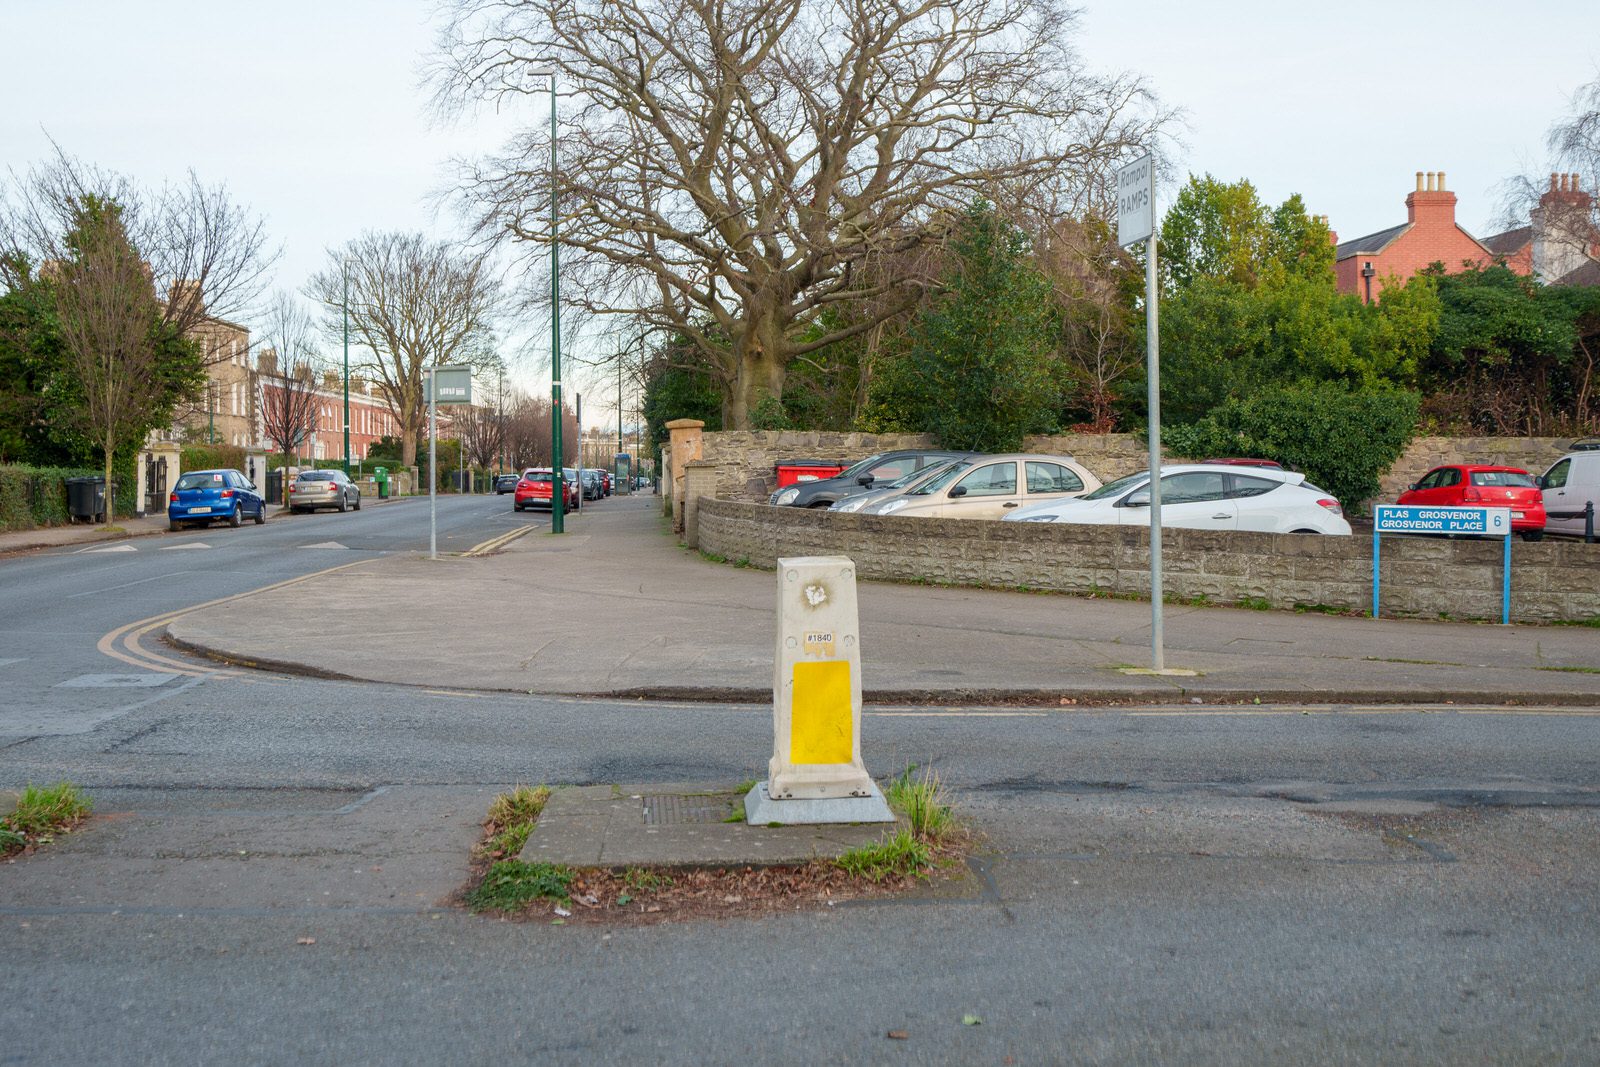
[
  {"x": 679, "y": 626},
  {"x": 675, "y": 825}
]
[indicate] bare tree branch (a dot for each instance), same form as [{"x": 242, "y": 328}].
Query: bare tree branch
[{"x": 738, "y": 163}]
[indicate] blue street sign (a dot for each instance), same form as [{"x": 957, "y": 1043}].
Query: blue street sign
[
  {"x": 1484, "y": 522},
  {"x": 1399, "y": 519}
]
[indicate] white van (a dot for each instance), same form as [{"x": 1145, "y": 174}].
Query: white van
[{"x": 1572, "y": 482}]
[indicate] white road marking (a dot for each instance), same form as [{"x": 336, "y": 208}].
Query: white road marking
[
  {"x": 189, "y": 544},
  {"x": 108, "y": 548},
  {"x": 10, "y": 661},
  {"x": 324, "y": 544},
  {"x": 124, "y": 585},
  {"x": 115, "y": 681}
]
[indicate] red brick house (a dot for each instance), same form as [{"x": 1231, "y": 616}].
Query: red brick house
[{"x": 1429, "y": 235}]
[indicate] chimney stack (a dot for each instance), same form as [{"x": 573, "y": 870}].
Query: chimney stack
[{"x": 1431, "y": 200}]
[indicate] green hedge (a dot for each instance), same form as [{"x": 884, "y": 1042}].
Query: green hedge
[
  {"x": 1342, "y": 440},
  {"x": 213, "y": 457},
  {"x": 31, "y": 497}
]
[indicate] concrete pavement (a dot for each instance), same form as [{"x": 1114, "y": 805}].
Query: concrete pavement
[{"x": 615, "y": 607}]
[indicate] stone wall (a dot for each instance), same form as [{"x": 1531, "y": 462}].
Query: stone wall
[
  {"x": 1422, "y": 577},
  {"x": 1532, "y": 454},
  {"x": 744, "y": 458}
]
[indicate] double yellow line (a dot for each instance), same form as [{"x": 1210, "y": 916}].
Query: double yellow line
[
  {"x": 123, "y": 643},
  {"x": 494, "y": 544}
]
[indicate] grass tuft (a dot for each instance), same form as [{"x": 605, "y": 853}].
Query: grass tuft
[
  {"x": 644, "y": 880},
  {"x": 512, "y": 883},
  {"x": 920, "y": 798},
  {"x": 45, "y": 810},
  {"x": 510, "y": 820},
  {"x": 42, "y": 812},
  {"x": 901, "y": 855}
]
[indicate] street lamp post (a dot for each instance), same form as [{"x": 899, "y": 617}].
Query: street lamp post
[
  {"x": 347, "y": 365},
  {"x": 558, "y": 495}
]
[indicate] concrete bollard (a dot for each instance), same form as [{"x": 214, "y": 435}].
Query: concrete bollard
[{"x": 816, "y": 774}]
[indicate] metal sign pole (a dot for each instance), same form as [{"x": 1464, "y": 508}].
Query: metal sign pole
[
  {"x": 1158, "y": 652},
  {"x": 1136, "y": 221},
  {"x": 433, "y": 464}
]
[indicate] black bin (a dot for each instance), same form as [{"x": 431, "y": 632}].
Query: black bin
[
  {"x": 86, "y": 498},
  {"x": 275, "y": 486}
]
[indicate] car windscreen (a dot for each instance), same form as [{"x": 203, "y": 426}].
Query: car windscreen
[
  {"x": 318, "y": 476},
  {"x": 1504, "y": 479},
  {"x": 912, "y": 479},
  {"x": 202, "y": 480},
  {"x": 860, "y": 467},
  {"x": 538, "y": 476},
  {"x": 1113, "y": 488},
  {"x": 938, "y": 482}
]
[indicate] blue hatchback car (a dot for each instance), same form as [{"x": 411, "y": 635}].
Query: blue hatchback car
[{"x": 202, "y": 496}]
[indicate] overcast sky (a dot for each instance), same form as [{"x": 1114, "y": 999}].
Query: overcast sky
[{"x": 313, "y": 115}]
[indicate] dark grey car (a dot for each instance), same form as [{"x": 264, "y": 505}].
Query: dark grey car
[{"x": 859, "y": 477}]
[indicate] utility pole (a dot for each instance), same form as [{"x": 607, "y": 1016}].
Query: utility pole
[{"x": 558, "y": 501}]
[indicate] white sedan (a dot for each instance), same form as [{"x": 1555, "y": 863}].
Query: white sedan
[{"x": 1198, "y": 496}]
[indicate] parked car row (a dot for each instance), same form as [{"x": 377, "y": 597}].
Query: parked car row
[
  {"x": 1225, "y": 493},
  {"x": 535, "y": 490}
]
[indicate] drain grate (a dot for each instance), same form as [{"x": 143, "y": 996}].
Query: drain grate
[{"x": 673, "y": 809}]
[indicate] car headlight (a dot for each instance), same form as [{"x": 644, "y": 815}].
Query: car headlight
[
  {"x": 785, "y": 496},
  {"x": 893, "y": 506},
  {"x": 1031, "y": 518},
  {"x": 853, "y": 503}
]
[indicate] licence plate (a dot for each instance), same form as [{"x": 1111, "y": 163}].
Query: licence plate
[
  {"x": 199, "y": 511},
  {"x": 1516, "y": 514}
]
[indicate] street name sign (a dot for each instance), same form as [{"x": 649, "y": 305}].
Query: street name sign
[
  {"x": 455, "y": 385},
  {"x": 1402, "y": 519},
  {"x": 1443, "y": 521},
  {"x": 1136, "y": 199}
]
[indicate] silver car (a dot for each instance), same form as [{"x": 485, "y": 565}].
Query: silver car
[{"x": 323, "y": 489}]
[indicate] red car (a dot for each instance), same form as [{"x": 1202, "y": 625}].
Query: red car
[
  {"x": 1476, "y": 485},
  {"x": 534, "y": 488}
]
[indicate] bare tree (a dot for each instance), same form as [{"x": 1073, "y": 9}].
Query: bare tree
[
  {"x": 481, "y": 432},
  {"x": 413, "y": 303},
  {"x": 206, "y": 255},
  {"x": 1565, "y": 211},
  {"x": 289, "y": 371},
  {"x": 1094, "y": 284},
  {"x": 732, "y": 168}
]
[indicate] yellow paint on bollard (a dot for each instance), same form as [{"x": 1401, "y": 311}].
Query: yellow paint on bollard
[{"x": 820, "y": 728}]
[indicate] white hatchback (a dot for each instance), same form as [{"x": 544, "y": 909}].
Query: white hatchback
[{"x": 1199, "y": 496}]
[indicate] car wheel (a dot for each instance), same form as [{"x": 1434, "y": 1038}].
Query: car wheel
[
  {"x": 237, "y": 517},
  {"x": 820, "y": 504},
  {"x": 358, "y": 501},
  {"x": 1304, "y": 530},
  {"x": 1533, "y": 535},
  {"x": 261, "y": 513},
  {"x": 344, "y": 505}
]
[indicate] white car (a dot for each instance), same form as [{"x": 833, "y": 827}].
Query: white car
[
  {"x": 1199, "y": 496},
  {"x": 989, "y": 487},
  {"x": 1570, "y": 485}
]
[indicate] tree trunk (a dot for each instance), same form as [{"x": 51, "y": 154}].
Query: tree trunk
[
  {"x": 760, "y": 373},
  {"x": 408, "y": 448},
  {"x": 111, "y": 498}
]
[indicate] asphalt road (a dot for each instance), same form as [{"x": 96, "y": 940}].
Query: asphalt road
[{"x": 1155, "y": 885}]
